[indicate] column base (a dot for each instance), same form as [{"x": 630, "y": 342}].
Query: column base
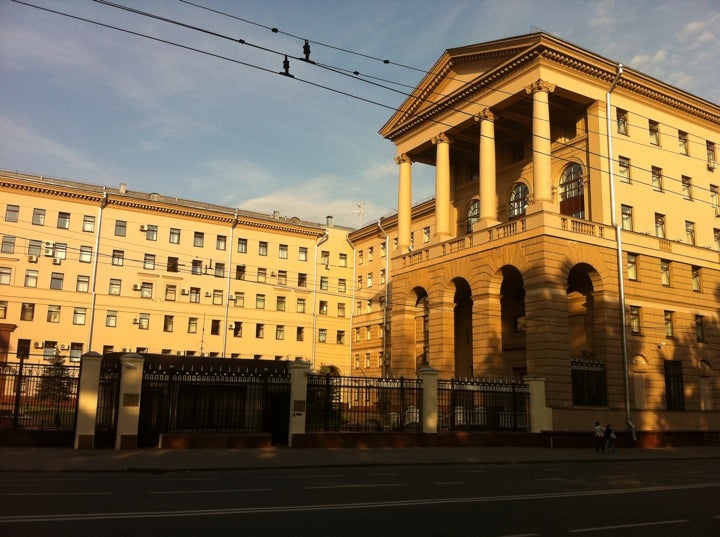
[{"x": 542, "y": 206}]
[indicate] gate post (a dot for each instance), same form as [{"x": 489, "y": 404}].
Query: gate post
[
  {"x": 131, "y": 376},
  {"x": 87, "y": 402},
  {"x": 298, "y": 398},
  {"x": 540, "y": 414},
  {"x": 429, "y": 378}
]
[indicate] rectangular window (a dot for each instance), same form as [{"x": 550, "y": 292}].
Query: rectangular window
[
  {"x": 195, "y": 295},
  {"x": 192, "y": 325},
  {"x": 63, "y": 221},
  {"x": 114, "y": 287},
  {"x": 342, "y": 260},
  {"x": 60, "y": 250},
  {"x": 660, "y": 225},
  {"x": 683, "y": 144},
  {"x": 282, "y": 277},
  {"x": 342, "y": 285},
  {"x": 695, "y": 276},
  {"x": 665, "y": 272},
  {"x": 146, "y": 290},
  {"x": 196, "y": 267},
  {"x": 668, "y": 320},
  {"x": 283, "y": 251},
  {"x": 341, "y": 309},
  {"x": 56, "y": 280},
  {"x": 149, "y": 262},
  {"x": 635, "y": 320},
  {"x": 111, "y": 318},
  {"x": 237, "y": 328},
  {"x": 715, "y": 199},
  {"x": 700, "y": 328},
  {"x": 301, "y": 305},
  {"x": 263, "y": 248},
  {"x": 171, "y": 292},
  {"x": 686, "y": 187},
  {"x": 259, "y": 331},
  {"x": 118, "y": 258},
  {"x": 12, "y": 213},
  {"x": 622, "y": 121},
  {"x": 370, "y": 279},
  {"x": 31, "y": 277},
  {"x": 627, "y": 217},
  {"x": 151, "y": 232},
  {"x": 174, "y": 236},
  {"x": 144, "y": 321},
  {"x": 323, "y": 310},
  {"x": 85, "y": 254},
  {"x": 589, "y": 383},
  {"x": 302, "y": 253},
  {"x": 242, "y": 246},
  {"x": 168, "y": 322},
  {"x": 240, "y": 272},
  {"x": 657, "y": 179},
  {"x": 34, "y": 247},
  {"x": 690, "y": 232},
  {"x": 38, "y": 217},
  {"x": 716, "y": 238},
  {"x": 340, "y": 337},
  {"x": 221, "y": 242},
  {"x": 8, "y": 245},
  {"x": 260, "y": 301},
  {"x": 82, "y": 285},
  {"x": 215, "y": 327},
  {"x": 217, "y": 297},
  {"x": 302, "y": 279},
  {"x": 654, "y": 132},
  {"x": 199, "y": 239},
  {"x": 27, "y": 311},
  {"x": 3, "y": 309},
  {"x": 710, "y": 150},
  {"x": 322, "y": 335},
  {"x": 325, "y": 258},
  {"x": 300, "y": 333},
  {"x": 219, "y": 270},
  {"x": 674, "y": 385},
  {"x": 324, "y": 283},
  {"x": 360, "y": 257},
  {"x": 261, "y": 275},
  {"x": 79, "y": 315},
  {"x": 173, "y": 264},
  {"x": 359, "y": 282},
  {"x": 426, "y": 234},
  {"x": 280, "y": 332},
  {"x": 624, "y": 169},
  {"x": 239, "y": 299},
  {"x": 632, "y": 266},
  {"x": 120, "y": 228},
  {"x": 382, "y": 276},
  {"x": 53, "y": 314},
  {"x": 280, "y": 303}
]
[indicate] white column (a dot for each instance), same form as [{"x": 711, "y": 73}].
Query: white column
[
  {"x": 404, "y": 202},
  {"x": 487, "y": 175},
  {"x": 88, "y": 388},
  {"x": 442, "y": 187},
  {"x": 131, "y": 374},
  {"x": 298, "y": 398},
  {"x": 542, "y": 180},
  {"x": 429, "y": 378}
]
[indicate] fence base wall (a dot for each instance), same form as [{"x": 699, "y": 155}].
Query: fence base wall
[{"x": 214, "y": 441}]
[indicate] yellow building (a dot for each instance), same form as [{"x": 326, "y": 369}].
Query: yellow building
[
  {"x": 85, "y": 267},
  {"x": 555, "y": 170}
]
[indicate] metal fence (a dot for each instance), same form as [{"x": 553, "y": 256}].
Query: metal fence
[
  {"x": 360, "y": 404},
  {"x": 38, "y": 397},
  {"x": 483, "y": 405}
]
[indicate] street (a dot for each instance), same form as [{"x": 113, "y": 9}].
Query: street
[{"x": 607, "y": 497}]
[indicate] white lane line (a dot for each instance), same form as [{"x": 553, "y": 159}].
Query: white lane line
[
  {"x": 56, "y": 493},
  {"x": 624, "y": 526},
  {"x": 450, "y": 483},
  {"x": 521, "y": 535},
  {"x": 218, "y": 491},
  {"x": 358, "y": 486},
  {"x": 168, "y": 479},
  {"x": 383, "y": 473}
]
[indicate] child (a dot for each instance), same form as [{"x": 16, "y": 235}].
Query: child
[{"x": 609, "y": 435}]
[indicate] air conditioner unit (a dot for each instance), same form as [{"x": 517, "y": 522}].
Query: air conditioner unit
[
  {"x": 183, "y": 291},
  {"x": 273, "y": 274},
  {"x": 136, "y": 321},
  {"x": 231, "y": 326},
  {"x": 38, "y": 345},
  {"x": 33, "y": 258},
  {"x": 137, "y": 287},
  {"x": 127, "y": 349},
  {"x": 63, "y": 347},
  {"x": 57, "y": 261},
  {"x": 143, "y": 228},
  {"x": 208, "y": 294},
  {"x": 49, "y": 249}
]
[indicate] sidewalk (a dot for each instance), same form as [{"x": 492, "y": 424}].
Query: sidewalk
[{"x": 163, "y": 460}]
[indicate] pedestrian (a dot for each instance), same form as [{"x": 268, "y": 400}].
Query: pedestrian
[
  {"x": 599, "y": 438},
  {"x": 609, "y": 435}
]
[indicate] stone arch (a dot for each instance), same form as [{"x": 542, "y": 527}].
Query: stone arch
[
  {"x": 581, "y": 310},
  {"x": 571, "y": 190},
  {"x": 421, "y": 315},
  {"x": 512, "y": 322},
  {"x": 518, "y": 199},
  {"x": 463, "y": 328}
]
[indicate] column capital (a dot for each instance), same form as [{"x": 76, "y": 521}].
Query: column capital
[
  {"x": 441, "y": 138},
  {"x": 485, "y": 115},
  {"x": 540, "y": 85},
  {"x": 403, "y": 159}
]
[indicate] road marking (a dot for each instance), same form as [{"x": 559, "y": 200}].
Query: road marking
[
  {"x": 450, "y": 483},
  {"x": 473, "y": 471},
  {"x": 135, "y": 479},
  {"x": 38, "y": 518},
  {"x": 550, "y": 479},
  {"x": 383, "y": 473},
  {"x": 218, "y": 491},
  {"x": 323, "y": 476},
  {"x": 636, "y": 525},
  {"x": 56, "y": 493},
  {"x": 358, "y": 486}
]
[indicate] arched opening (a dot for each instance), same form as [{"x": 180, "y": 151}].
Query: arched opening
[
  {"x": 581, "y": 313},
  {"x": 572, "y": 191},
  {"x": 519, "y": 199},
  {"x": 463, "y": 328},
  {"x": 512, "y": 314},
  {"x": 422, "y": 327}
]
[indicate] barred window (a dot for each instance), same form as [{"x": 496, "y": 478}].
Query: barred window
[{"x": 589, "y": 383}]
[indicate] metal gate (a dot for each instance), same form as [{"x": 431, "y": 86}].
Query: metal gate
[{"x": 108, "y": 397}]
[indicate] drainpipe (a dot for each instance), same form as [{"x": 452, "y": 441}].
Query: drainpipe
[
  {"x": 320, "y": 241},
  {"x": 619, "y": 251},
  {"x": 228, "y": 271},
  {"x": 385, "y": 304},
  {"x": 93, "y": 300}
]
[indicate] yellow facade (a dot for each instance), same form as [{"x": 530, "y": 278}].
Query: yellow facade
[
  {"x": 512, "y": 270},
  {"x": 85, "y": 268}
]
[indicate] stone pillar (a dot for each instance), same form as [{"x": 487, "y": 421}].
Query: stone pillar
[
  {"x": 487, "y": 336},
  {"x": 131, "y": 377},
  {"x": 442, "y": 187},
  {"x": 442, "y": 338},
  {"x": 404, "y": 202},
  {"x": 541, "y": 418},
  {"x": 88, "y": 392},
  {"x": 542, "y": 179},
  {"x": 402, "y": 340},
  {"x": 486, "y": 174},
  {"x": 429, "y": 378},
  {"x": 298, "y": 398}
]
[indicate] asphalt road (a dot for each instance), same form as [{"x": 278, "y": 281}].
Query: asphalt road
[{"x": 619, "y": 498}]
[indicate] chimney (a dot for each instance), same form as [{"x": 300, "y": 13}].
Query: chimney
[
  {"x": 123, "y": 188},
  {"x": 329, "y": 221},
  {"x": 276, "y": 214}
]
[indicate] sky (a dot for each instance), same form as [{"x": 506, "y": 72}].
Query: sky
[{"x": 219, "y": 124}]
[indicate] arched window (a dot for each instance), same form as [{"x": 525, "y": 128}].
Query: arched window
[
  {"x": 572, "y": 192},
  {"x": 473, "y": 215},
  {"x": 519, "y": 199}
]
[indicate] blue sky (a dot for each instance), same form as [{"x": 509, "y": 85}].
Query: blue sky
[{"x": 96, "y": 105}]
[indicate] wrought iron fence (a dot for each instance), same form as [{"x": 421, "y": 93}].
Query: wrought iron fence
[
  {"x": 38, "y": 397},
  {"x": 360, "y": 404},
  {"x": 483, "y": 405}
]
